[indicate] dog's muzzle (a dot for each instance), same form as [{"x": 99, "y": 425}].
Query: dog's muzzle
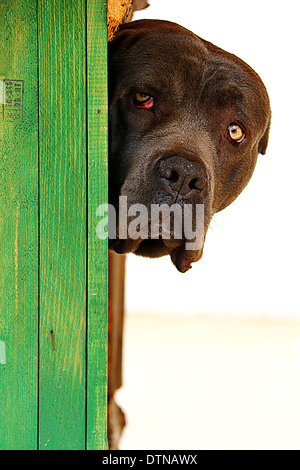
[
  {"x": 179, "y": 187},
  {"x": 181, "y": 177}
]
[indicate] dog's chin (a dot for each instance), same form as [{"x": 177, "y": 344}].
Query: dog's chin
[
  {"x": 150, "y": 248},
  {"x": 181, "y": 257}
]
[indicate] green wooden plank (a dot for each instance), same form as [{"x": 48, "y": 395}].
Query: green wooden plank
[
  {"x": 18, "y": 224},
  {"x": 62, "y": 91},
  {"x": 97, "y": 249}
]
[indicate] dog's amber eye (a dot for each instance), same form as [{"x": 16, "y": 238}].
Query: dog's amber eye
[
  {"x": 143, "y": 100},
  {"x": 236, "y": 133}
]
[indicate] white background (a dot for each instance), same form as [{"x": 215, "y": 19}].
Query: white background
[
  {"x": 251, "y": 256},
  {"x": 212, "y": 357}
]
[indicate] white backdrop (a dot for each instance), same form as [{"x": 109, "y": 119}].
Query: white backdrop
[{"x": 251, "y": 257}]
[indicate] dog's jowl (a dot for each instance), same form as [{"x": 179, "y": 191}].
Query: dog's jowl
[{"x": 187, "y": 121}]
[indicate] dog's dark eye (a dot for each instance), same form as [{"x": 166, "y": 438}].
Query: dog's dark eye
[
  {"x": 143, "y": 100},
  {"x": 236, "y": 133}
]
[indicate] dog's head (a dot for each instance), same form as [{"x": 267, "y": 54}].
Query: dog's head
[{"x": 187, "y": 121}]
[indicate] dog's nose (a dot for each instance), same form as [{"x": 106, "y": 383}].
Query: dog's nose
[{"x": 182, "y": 175}]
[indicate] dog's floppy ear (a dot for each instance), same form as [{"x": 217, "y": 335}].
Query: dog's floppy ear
[{"x": 262, "y": 146}]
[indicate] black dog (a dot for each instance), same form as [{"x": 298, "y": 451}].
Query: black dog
[{"x": 187, "y": 121}]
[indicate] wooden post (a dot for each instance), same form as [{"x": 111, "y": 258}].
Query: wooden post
[{"x": 53, "y": 268}]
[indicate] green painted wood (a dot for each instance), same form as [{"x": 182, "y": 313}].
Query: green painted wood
[
  {"x": 62, "y": 105},
  {"x": 18, "y": 224},
  {"x": 53, "y": 268},
  {"x": 97, "y": 249}
]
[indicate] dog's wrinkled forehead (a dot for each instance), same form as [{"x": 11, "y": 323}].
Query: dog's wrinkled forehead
[
  {"x": 155, "y": 52},
  {"x": 141, "y": 57}
]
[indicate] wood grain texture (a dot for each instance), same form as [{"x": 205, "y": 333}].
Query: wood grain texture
[
  {"x": 53, "y": 268},
  {"x": 62, "y": 105},
  {"x": 96, "y": 437},
  {"x": 18, "y": 224}
]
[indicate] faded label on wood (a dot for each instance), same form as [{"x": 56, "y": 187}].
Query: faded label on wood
[
  {"x": 12, "y": 98},
  {"x": 2, "y": 353}
]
